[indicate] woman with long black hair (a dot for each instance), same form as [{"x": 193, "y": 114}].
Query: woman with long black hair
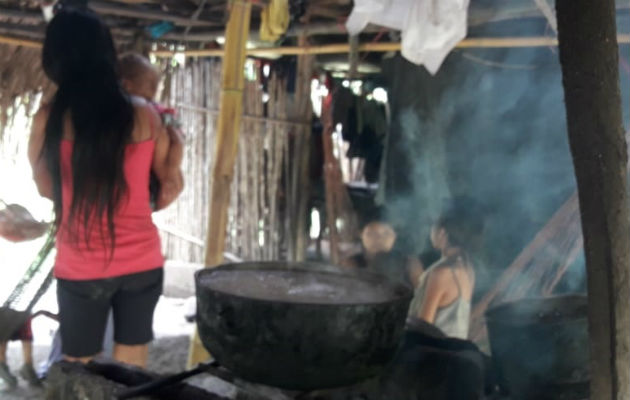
[
  {"x": 444, "y": 290},
  {"x": 92, "y": 150}
]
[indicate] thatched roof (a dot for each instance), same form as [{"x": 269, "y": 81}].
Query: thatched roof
[
  {"x": 198, "y": 23},
  {"x": 193, "y": 22},
  {"x": 21, "y": 77}
]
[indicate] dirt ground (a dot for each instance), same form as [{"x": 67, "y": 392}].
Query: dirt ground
[{"x": 167, "y": 353}]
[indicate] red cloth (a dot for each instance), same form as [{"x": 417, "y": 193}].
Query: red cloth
[
  {"x": 137, "y": 246},
  {"x": 24, "y": 334}
]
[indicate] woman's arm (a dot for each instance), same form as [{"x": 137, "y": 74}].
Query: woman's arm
[
  {"x": 168, "y": 174},
  {"x": 175, "y": 156},
  {"x": 41, "y": 174},
  {"x": 435, "y": 290}
]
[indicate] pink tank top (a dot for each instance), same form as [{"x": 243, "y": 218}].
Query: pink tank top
[{"x": 137, "y": 246}]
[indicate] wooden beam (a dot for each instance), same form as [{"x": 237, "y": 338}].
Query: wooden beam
[
  {"x": 589, "y": 57},
  {"x": 119, "y": 10},
  {"x": 20, "y": 42},
  {"x": 195, "y": 15},
  {"x": 26, "y": 16},
  {"x": 23, "y": 31},
  {"x": 547, "y": 11},
  {"x": 231, "y": 107},
  {"x": 343, "y": 48}
]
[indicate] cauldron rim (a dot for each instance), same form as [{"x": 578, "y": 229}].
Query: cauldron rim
[{"x": 399, "y": 292}]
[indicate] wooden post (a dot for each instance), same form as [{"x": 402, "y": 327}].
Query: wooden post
[
  {"x": 353, "y": 57},
  {"x": 589, "y": 58},
  {"x": 231, "y": 110},
  {"x": 304, "y": 113},
  {"x": 331, "y": 177}
]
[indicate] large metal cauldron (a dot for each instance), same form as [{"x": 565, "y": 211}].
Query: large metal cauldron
[
  {"x": 540, "y": 345},
  {"x": 297, "y": 343}
]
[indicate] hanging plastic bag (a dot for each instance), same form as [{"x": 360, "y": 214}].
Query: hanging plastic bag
[
  {"x": 387, "y": 13},
  {"x": 430, "y": 28},
  {"x": 433, "y": 28}
]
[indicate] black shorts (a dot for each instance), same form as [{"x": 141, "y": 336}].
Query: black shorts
[{"x": 84, "y": 307}]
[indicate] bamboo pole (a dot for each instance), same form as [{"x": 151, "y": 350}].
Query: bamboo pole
[
  {"x": 20, "y": 42},
  {"x": 342, "y": 48},
  {"x": 330, "y": 177},
  {"x": 231, "y": 108},
  {"x": 304, "y": 110}
]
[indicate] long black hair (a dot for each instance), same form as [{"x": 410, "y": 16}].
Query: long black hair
[
  {"x": 463, "y": 220},
  {"x": 80, "y": 57}
]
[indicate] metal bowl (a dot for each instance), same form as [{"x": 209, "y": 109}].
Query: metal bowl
[{"x": 296, "y": 343}]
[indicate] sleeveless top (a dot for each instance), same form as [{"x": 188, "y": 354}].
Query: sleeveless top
[
  {"x": 452, "y": 319},
  {"x": 137, "y": 247}
]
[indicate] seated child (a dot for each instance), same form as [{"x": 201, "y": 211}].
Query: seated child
[
  {"x": 27, "y": 372},
  {"x": 377, "y": 239}
]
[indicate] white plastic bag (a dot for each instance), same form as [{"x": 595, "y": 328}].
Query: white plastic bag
[
  {"x": 432, "y": 29},
  {"x": 388, "y": 13}
]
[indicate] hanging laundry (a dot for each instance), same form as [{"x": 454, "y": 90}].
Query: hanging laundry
[
  {"x": 430, "y": 28},
  {"x": 160, "y": 29},
  {"x": 274, "y": 20},
  {"x": 387, "y": 13}
]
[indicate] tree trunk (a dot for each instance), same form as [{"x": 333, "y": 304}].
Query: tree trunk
[{"x": 589, "y": 58}]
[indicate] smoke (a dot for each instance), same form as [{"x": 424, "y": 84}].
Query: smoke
[{"x": 490, "y": 125}]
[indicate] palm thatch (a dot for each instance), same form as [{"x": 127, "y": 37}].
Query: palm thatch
[{"x": 21, "y": 82}]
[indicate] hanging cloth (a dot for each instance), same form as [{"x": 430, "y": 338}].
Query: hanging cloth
[
  {"x": 430, "y": 28},
  {"x": 274, "y": 20}
]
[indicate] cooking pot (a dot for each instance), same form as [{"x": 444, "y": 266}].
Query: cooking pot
[
  {"x": 540, "y": 345},
  {"x": 300, "y": 326}
]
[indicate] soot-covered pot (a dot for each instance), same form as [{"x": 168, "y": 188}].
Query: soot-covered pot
[{"x": 300, "y": 326}]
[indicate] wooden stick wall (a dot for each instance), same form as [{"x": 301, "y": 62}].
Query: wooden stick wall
[{"x": 258, "y": 225}]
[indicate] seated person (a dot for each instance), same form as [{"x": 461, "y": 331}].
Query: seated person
[
  {"x": 377, "y": 239},
  {"x": 27, "y": 372},
  {"x": 18, "y": 225},
  {"x": 444, "y": 291}
]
